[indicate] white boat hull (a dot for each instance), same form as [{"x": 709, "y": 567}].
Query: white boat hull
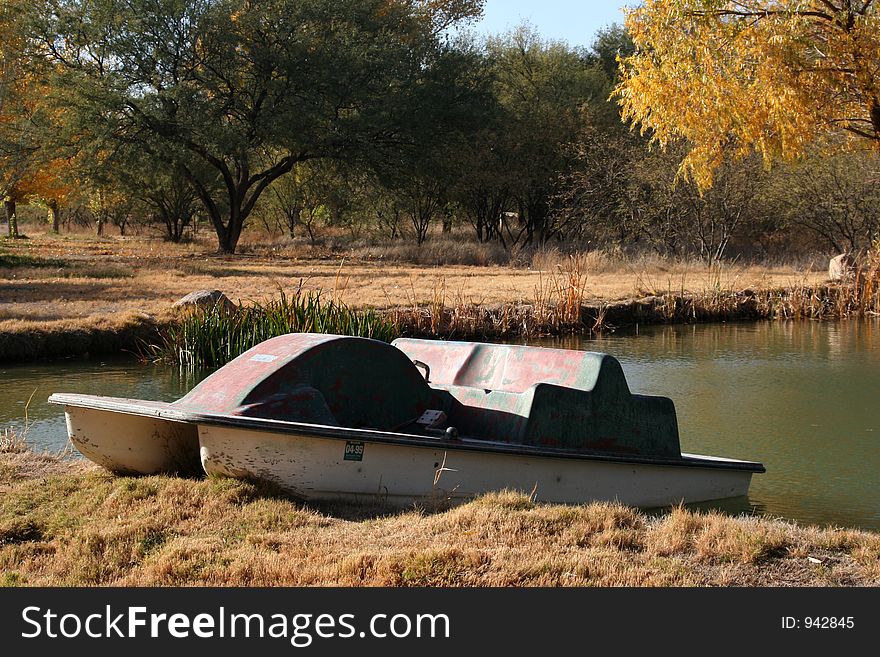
[
  {"x": 315, "y": 467},
  {"x": 316, "y": 462},
  {"x": 132, "y": 444}
]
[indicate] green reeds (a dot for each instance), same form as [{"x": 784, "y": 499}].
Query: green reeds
[{"x": 211, "y": 337}]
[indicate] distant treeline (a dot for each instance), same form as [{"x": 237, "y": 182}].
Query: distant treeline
[{"x": 383, "y": 117}]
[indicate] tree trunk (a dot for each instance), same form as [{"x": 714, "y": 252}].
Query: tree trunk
[
  {"x": 54, "y": 215},
  {"x": 875, "y": 117},
  {"x": 99, "y": 231},
  {"x": 228, "y": 239},
  {"x": 293, "y": 219},
  {"x": 242, "y": 196},
  {"x": 447, "y": 220},
  {"x": 11, "y": 218}
]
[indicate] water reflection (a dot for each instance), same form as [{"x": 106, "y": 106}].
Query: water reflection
[{"x": 26, "y": 388}]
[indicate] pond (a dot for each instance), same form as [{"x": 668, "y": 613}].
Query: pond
[{"x": 801, "y": 397}]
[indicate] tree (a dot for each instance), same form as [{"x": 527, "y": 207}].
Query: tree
[
  {"x": 15, "y": 149},
  {"x": 252, "y": 89},
  {"x": 290, "y": 197},
  {"x": 622, "y": 193},
  {"x": 714, "y": 216},
  {"x": 29, "y": 172},
  {"x": 542, "y": 88},
  {"x": 483, "y": 192},
  {"x": 611, "y": 43},
  {"x": 836, "y": 197},
  {"x": 163, "y": 195},
  {"x": 771, "y": 75},
  {"x": 109, "y": 205}
]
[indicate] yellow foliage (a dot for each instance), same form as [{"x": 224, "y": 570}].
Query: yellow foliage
[
  {"x": 26, "y": 171},
  {"x": 768, "y": 75}
]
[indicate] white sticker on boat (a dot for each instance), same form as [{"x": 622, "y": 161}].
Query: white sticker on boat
[{"x": 264, "y": 358}]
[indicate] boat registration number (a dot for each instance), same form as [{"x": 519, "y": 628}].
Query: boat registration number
[{"x": 354, "y": 451}]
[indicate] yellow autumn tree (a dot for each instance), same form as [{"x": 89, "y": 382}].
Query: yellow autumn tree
[{"x": 765, "y": 75}]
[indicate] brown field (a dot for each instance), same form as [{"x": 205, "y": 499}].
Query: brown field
[
  {"x": 71, "y": 523},
  {"x": 77, "y": 281}
]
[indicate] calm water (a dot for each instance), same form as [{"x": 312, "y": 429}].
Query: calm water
[{"x": 803, "y": 398}]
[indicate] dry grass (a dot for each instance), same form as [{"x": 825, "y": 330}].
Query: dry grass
[
  {"x": 74, "y": 524},
  {"x": 98, "y": 278},
  {"x": 436, "y": 252},
  {"x": 18, "y": 462},
  {"x": 72, "y": 295}
]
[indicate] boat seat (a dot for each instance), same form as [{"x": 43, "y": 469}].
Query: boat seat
[
  {"x": 488, "y": 414},
  {"x": 325, "y": 379},
  {"x": 506, "y": 367},
  {"x": 602, "y": 421},
  {"x": 604, "y": 418}
]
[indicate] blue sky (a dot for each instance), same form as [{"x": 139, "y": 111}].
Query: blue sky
[{"x": 575, "y": 21}]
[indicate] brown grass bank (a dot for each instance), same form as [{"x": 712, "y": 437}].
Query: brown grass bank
[
  {"x": 74, "y": 294},
  {"x": 69, "y": 523}
]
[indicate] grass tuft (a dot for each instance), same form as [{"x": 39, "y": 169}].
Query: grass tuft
[
  {"x": 11, "y": 442},
  {"x": 211, "y": 337}
]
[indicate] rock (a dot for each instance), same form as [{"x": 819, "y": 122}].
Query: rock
[
  {"x": 204, "y": 299},
  {"x": 840, "y": 268}
]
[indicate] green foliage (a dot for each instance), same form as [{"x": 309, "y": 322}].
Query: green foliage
[
  {"x": 251, "y": 89},
  {"x": 611, "y": 43},
  {"x": 542, "y": 88},
  {"x": 322, "y": 117},
  {"x": 212, "y": 337}
]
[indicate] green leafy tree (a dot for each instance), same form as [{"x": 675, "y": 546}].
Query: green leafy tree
[
  {"x": 610, "y": 45},
  {"x": 542, "y": 88},
  {"x": 251, "y": 89}
]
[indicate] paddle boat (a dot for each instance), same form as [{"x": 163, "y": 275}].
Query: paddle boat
[{"x": 334, "y": 417}]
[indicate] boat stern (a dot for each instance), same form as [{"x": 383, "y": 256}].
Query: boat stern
[{"x": 130, "y": 443}]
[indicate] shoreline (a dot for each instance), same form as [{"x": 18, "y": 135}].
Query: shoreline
[
  {"x": 133, "y": 332},
  {"x": 71, "y": 523},
  {"x": 74, "y": 294}
]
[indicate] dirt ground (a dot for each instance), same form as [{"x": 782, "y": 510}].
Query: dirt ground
[{"x": 81, "y": 280}]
